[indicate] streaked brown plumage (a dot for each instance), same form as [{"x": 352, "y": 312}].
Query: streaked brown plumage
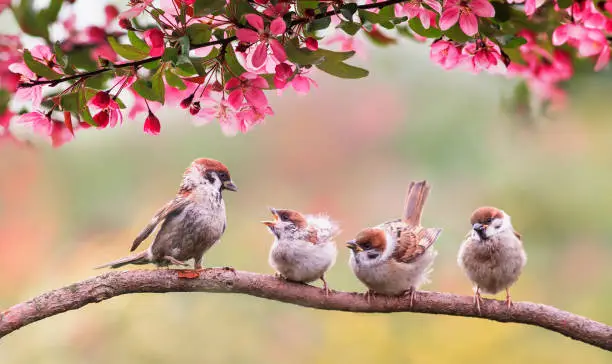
[
  {"x": 395, "y": 257},
  {"x": 492, "y": 255},
  {"x": 191, "y": 223}
]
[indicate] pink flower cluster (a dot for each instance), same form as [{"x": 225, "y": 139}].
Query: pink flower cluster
[{"x": 588, "y": 32}]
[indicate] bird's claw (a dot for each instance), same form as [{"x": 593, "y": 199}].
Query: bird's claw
[{"x": 410, "y": 293}]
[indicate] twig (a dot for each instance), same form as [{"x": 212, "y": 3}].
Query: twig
[{"x": 219, "y": 280}]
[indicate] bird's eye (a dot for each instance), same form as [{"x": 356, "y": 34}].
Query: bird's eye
[
  {"x": 366, "y": 246},
  {"x": 284, "y": 217},
  {"x": 489, "y": 220}
]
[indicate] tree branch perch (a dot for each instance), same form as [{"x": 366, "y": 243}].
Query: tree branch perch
[{"x": 219, "y": 280}]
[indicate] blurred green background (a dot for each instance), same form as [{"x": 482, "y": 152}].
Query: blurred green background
[{"x": 349, "y": 149}]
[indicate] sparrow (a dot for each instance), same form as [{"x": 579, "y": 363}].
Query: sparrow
[
  {"x": 492, "y": 255},
  {"x": 395, "y": 257},
  {"x": 191, "y": 223},
  {"x": 303, "y": 248}
]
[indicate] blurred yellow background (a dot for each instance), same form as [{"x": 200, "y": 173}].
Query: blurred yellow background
[{"x": 349, "y": 149}]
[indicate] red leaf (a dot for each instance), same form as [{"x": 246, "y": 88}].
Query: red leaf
[{"x": 68, "y": 121}]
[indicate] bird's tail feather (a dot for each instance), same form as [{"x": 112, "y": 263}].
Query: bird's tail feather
[
  {"x": 415, "y": 201},
  {"x": 140, "y": 258}
]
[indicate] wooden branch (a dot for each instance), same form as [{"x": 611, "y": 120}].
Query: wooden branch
[{"x": 221, "y": 280}]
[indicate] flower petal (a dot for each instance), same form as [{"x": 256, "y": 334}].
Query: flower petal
[
  {"x": 482, "y": 8},
  {"x": 449, "y": 17},
  {"x": 235, "y": 98},
  {"x": 278, "y": 26},
  {"x": 255, "y": 21},
  {"x": 256, "y": 97},
  {"x": 278, "y": 50},
  {"x": 468, "y": 23},
  {"x": 247, "y": 35},
  {"x": 260, "y": 55}
]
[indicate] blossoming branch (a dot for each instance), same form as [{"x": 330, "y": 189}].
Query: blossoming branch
[{"x": 219, "y": 59}]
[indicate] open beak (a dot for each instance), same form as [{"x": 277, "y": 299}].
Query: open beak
[
  {"x": 271, "y": 224},
  {"x": 353, "y": 246},
  {"x": 481, "y": 230},
  {"x": 229, "y": 185}
]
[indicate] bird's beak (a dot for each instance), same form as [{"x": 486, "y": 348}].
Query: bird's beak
[
  {"x": 229, "y": 185},
  {"x": 269, "y": 224},
  {"x": 353, "y": 246},
  {"x": 274, "y": 213},
  {"x": 481, "y": 230}
]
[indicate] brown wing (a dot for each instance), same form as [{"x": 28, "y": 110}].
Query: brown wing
[
  {"x": 171, "y": 207},
  {"x": 412, "y": 243}
]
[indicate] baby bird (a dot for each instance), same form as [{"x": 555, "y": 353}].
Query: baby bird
[
  {"x": 303, "y": 248},
  {"x": 395, "y": 257},
  {"x": 191, "y": 223},
  {"x": 492, "y": 255}
]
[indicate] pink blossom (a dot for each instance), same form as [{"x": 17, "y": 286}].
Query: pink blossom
[
  {"x": 152, "y": 125},
  {"x": 5, "y": 119},
  {"x": 136, "y": 7},
  {"x": 4, "y": 4},
  {"x": 348, "y": 43},
  {"x": 60, "y": 134},
  {"x": 467, "y": 13},
  {"x": 530, "y": 7},
  {"x": 155, "y": 39},
  {"x": 301, "y": 84},
  {"x": 311, "y": 43},
  {"x": 106, "y": 110},
  {"x": 445, "y": 53},
  {"x": 282, "y": 74},
  {"x": 264, "y": 36},
  {"x": 40, "y": 123},
  {"x": 279, "y": 10},
  {"x": 111, "y": 12},
  {"x": 415, "y": 8},
  {"x": 248, "y": 86},
  {"x": 484, "y": 54},
  {"x": 250, "y": 116}
]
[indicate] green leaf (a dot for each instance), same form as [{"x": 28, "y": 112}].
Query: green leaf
[
  {"x": 49, "y": 15},
  {"x": 137, "y": 42},
  {"x": 158, "y": 86},
  {"x": 417, "y": 27},
  {"x": 455, "y": 33},
  {"x": 301, "y": 56},
  {"x": 28, "y": 20},
  {"x": 185, "y": 69},
  {"x": 170, "y": 55},
  {"x": 175, "y": 81},
  {"x": 564, "y": 4},
  {"x": 60, "y": 56},
  {"x": 502, "y": 11},
  {"x": 127, "y": 51},
  {"x": 145, "y": 89},
  {"x": 39, "y": 68},
  {"x": 347, "y": 10},
  {"x": 350, "y": 28},
  {"x": 515, "y": 42},
  {"x": 335, "y": 56},
  {"x": 342, "y": 70},
  {"x": 232, "y": 62},
  {"x": 319, "y": 24},
  {"x": 302, "y": 5},
  {"x": 206, "y": 7},
  {"x": 199, "y": 33},
  {"x": 185, "y": 45}
]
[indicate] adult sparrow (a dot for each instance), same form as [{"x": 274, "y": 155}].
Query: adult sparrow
[
  {"x": 191, "y": 223},
  {"x": 492, "y": 255},
  {"x": 303, "y": 248},
  {"x": 395, "y": 257}
]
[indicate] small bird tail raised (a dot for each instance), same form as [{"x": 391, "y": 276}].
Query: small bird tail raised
[
  {"x": 415, "y": 201},
  {"x": 432, "y": 234},
  {"x": 140, "y": 258}
]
